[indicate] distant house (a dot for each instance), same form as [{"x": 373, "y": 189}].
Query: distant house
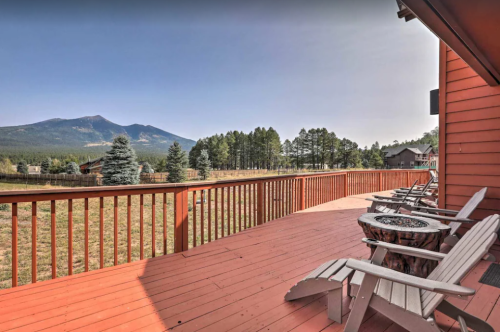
[
  {"x": 31, "y": 169},
  {"x": 93, "y": 166},
  {"x": 408, "y": 156}
]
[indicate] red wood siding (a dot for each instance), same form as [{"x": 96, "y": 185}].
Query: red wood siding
[{"x": 469, "y": 145}]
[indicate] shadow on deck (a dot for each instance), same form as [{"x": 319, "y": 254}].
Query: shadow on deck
[{"x": 233, "y": 284}]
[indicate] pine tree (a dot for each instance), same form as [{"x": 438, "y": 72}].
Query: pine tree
[
  {"x": 72, "y": 168},
  {"x": 46, "y": 164},
  {"x": 6, "y": 166},
  {"x": 376, "y": 161},
  {"x": 120, "y": 166},
  {"x": 146, "y": 168},
  {"x": 176, "y": 164},
  {"x": 22, "y": 167},
  {"x": 203, "y": 165}
]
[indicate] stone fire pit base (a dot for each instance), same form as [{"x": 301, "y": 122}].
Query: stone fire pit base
[{"x": 410, "y": 231}]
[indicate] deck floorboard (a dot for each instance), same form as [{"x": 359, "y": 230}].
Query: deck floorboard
[{"x": 236, "y": 283}]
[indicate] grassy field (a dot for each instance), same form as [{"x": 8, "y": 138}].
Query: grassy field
[{"x": 44, "y": 242}]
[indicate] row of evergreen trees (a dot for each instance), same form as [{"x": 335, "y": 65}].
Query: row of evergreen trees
[
  {"x": 315, "y": 148},
  {"x": 120, "y": 166},
  {"x": 262, "y": 149}
]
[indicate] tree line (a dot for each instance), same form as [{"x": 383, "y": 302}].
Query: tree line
[{"x": 262, "y": 148}]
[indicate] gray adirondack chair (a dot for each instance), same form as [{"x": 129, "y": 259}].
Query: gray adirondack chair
[
  {"x": 429, "y": 187},
  {"x": 460, "y": 217},
  {"x": 410, "y": 201},
  {"x": 411, "y": 301}
]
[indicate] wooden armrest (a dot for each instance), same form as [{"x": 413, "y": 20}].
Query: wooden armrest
[
  {"x": 388, "y": 197},
  {"x": 411, "y": 195},
  {"x": 385, "y": 201},
  {"x": 404, "y": 250},
  {"x": 439, "y": 210},
  {"x": 437, "y": 216},
  {"x": 406, "y": 279}
]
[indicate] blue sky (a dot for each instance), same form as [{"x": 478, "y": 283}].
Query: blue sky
[{"x": 196, "y": 68}]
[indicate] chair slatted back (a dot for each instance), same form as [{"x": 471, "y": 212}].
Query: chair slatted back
[
  {"x": 468, "y": 208},
  {"x": 461, "y": 259}
]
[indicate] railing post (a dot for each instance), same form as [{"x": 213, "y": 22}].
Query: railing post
[
  {"x": 181, "y": 219},
  {"x": 302, "y": 194},
  {"x": 260, "y": 203},
  {"x": 346, "y": 186},
  {"x": 408, "y": 178}
]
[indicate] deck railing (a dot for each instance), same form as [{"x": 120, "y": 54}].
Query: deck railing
[{"x": 73, "y": 230}]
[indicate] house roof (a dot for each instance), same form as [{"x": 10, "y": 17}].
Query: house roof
[
  {"x": 92, "y": 161},
  {"x": 467, "y": 27},
  {"x": 415, "y": 148}
]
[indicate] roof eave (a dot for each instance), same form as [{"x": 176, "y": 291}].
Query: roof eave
[{"x": 436, "y": 17}]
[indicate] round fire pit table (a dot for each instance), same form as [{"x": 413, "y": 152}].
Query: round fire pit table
[{"x": 409, "y": 231}]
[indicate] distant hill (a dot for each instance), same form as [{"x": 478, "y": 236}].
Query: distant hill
[{"x": 90, "y": 133}]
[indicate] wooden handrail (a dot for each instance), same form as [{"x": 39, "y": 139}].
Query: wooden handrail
[{"x": 239, "y": 204}]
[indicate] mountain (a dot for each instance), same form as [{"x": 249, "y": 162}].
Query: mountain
[{"x": 88, "y": 133}]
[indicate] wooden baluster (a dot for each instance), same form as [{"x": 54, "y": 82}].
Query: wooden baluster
[
  {"x": 202, "y": 216},
  {"x": 249, "y": 205},
  {"x": 285, "y": 197},
  {"x": 228, "y": 211},
  {"x": 194, "y": 219},
  {"x": 70, "y": 236},
  {"x": 216, "y": 205},
  {"x": 264, "y": 217},
  {"x": 313, "y": 190},
  {"x": 239, "y": 208},
  {"x": 86, "y": 216},
  {"x": 290, "y": 196},
  {"x": 129, "y": 228},
  {"x": 244, "y": 206},
  {"x": 254, "y": 205},
  {"x": 153, "y": 225},
  {"x": 282, "y": 200},
  {"x": 52, "y": 237},
  {"x": 273, "y": 200},
  {"x": 33, "y": 242},
  {"x": 14, "y": 245},
  {"x": 164, "y": 223},
  {"x": 321, "y": 190},
  {"x": 141, "y": 227},
  {"x": 115, "y": 229},
  {"x": 278, "y": 199},
  {"x": 209, "y": 215},
  {"x": 101, "y": 232},
  {"x": 234, "y": 210},
  {"x": 222, "y": 211},
  {"x": 268, "y": 200}
]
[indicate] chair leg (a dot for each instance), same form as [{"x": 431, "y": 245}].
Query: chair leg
[
  {"x": 451, "y": 240},
  {"x": 363, "y": 298},
  {"x": 489, "y": 258},
  {"x": 457, "y": 314},
  {"x": 335, "y": 305}
]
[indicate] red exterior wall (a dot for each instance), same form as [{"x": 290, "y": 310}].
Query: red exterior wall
[{"x": 469, "y": 123}]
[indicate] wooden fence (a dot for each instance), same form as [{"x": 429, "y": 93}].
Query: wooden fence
[
  {"x": 193, "y": 175},
  {"x": 66, "y": 180},
  {"x": 136, "y": 222}
]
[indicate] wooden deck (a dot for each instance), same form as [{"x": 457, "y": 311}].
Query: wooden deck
[{"x": 233, "y": 284}]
